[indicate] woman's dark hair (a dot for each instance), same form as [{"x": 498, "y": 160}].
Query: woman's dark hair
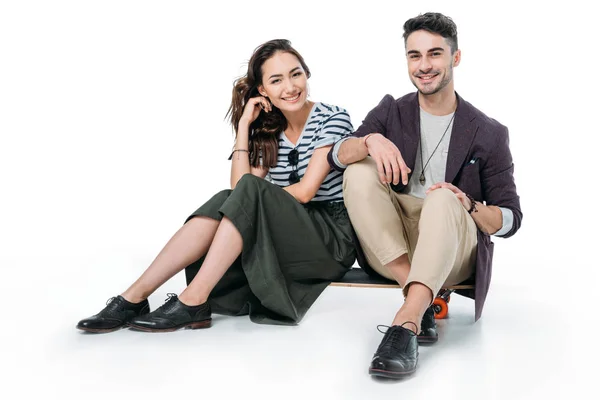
[
  {"x": 434, "y": 23},
  {"x": 264, "y": 130}
]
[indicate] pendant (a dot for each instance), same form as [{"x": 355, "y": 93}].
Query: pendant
[{"x": 422, "y": 179}]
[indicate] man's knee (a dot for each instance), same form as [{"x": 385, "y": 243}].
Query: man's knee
[
  {"x": 360, "y": 177},
  {"x": 442, "y": 202},
  {"x": 441, "y": 197}
]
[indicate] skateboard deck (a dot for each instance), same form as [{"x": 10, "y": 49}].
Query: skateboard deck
[{"x": 357, "y": 277}]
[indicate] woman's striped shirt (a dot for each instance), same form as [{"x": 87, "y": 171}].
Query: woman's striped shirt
[{"x": 325, "y": 125}]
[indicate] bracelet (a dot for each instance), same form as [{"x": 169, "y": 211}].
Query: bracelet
[
  {"x": 367, "y": 138},
  {"x": 473, "y": 204},
  {"x": 231, "y": 155}
]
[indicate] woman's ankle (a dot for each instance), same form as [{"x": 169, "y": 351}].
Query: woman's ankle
[
  {"x": 192, "y": 300},
  {"x": 133, "y": 297}
]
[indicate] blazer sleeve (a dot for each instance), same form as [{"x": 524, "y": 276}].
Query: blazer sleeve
[
  {"x": 374, "y": 122},
  {"x": 376, "y": 119},
  {"x": 498, "y": 184}
]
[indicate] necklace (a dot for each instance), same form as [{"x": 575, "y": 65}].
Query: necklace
[{"x": 422, "y": 177}]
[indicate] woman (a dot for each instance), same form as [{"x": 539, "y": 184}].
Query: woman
[{"x": 271, "y": 245}]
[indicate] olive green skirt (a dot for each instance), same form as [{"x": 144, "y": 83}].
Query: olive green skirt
[{"x": 291, "y": 252}]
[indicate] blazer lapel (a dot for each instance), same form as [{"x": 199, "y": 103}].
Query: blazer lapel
[
  {"x": 411, "y": 131},
  {"x": 463, "y": 133}
]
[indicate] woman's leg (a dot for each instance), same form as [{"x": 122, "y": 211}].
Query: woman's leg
[
  {"x": 224, "y": 249},
  {"x": 188, "y": 244}
]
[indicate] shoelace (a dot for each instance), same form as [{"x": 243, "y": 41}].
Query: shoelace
[
  {"x": 170, "y": 296},
  {"x": 392, "y": 342},
  {"x": 166, "y": 306},
  {"x": 113, "y": 306}
]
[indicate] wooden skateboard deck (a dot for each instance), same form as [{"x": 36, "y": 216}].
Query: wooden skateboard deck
[{"x": 357, "y": 277}]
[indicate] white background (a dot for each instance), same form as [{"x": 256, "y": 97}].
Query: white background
[{"x": 112, "y": 132}]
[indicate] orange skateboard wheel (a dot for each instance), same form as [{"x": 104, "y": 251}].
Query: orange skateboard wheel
[{"x": 440, "y": 308}]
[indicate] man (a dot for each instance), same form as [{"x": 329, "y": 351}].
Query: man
[{"x": 438, "y": 182}]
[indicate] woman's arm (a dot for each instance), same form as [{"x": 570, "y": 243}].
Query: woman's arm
[
  {"x": 316, "y": 172},
  {"x": 240, "y": 160}
]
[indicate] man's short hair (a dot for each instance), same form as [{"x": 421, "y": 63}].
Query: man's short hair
[{"x": 434, "y": 23}]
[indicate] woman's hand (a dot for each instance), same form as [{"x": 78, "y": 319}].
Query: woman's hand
[{"x": 253, "y": 107}]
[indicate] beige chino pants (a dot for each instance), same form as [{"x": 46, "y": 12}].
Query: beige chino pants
[{"x": 437, "y": 233}]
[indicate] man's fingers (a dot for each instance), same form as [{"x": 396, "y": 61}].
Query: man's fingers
[
  {"x": 444, "y": 185},
  {"x": 381, "y": 171},
  {"x": 451, "y": 187},
  {"x": 432, "y": 187},
  {"x": 396, "y": 172},
  {"x": 405, "y": 171},
  {"x": 389, "y": 170}
]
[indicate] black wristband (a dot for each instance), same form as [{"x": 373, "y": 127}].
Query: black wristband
[{"x": 473, "y": 204}]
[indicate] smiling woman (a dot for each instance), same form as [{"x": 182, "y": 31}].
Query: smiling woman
[{"x": 265, "y": 247}]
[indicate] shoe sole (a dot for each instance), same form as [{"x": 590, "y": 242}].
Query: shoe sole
[
  {"x": 96, "y": 330},
  {"x": 426, "y": 339},
  {"x": 389, "y": 374},
  {"x": 192, "y": 325}
]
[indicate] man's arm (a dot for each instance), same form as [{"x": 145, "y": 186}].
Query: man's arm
[
  {"x": 371, "y": 139},
  {"x": 501, "y": 215},
  {"x": 356, "y": 150},
  {"x": 498, "y": 185},
  {"x": 487, "y": 218},
  {"x": 352, "y": 150}
]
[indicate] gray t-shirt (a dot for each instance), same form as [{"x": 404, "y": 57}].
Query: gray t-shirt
[{"x": 432, "y": 130}]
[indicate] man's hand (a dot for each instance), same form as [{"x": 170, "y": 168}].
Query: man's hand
[
  {"x": 390, "y": 163},
  {"x": 488, "y": 218},
  {"x": 459, "y": 193}
]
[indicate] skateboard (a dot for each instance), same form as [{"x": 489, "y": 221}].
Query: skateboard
[{"x": 357, "y": 277}]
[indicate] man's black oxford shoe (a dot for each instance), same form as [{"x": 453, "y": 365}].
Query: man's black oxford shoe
[
  {"x": 173, "y": 315},
  {"x": 397, "y": 354},
  {"x": 114, "y": 316},
  {"x": 428, "y": 332}
]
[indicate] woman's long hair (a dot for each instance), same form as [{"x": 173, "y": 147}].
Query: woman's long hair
[{"x": 263, "y": 132}]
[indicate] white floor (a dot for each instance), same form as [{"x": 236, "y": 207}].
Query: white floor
[{"x": 524, "y": 347}]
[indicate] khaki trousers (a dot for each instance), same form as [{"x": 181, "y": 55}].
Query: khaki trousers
[{"x": 437, "y": 233}]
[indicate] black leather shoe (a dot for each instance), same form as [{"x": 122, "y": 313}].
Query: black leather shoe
[
  {"x": 397, "y": 354},
  {"x": 173, "y": 315},
  {"x": 428, "y": 332},
  {"x": 114, "y": 316}
]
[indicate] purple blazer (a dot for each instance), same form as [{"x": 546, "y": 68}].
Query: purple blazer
[{"x": 479, "y": 163}]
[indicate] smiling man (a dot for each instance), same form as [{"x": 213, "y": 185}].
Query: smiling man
[{"x": 428, "y": 178}]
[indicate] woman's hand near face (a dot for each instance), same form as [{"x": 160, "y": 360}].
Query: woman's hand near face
[
  {"x": 241, "y": 162},
  {"x": 253, "y": 107}
]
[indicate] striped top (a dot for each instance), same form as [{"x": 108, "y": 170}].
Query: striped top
[{"x": 325, "y": 125}]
